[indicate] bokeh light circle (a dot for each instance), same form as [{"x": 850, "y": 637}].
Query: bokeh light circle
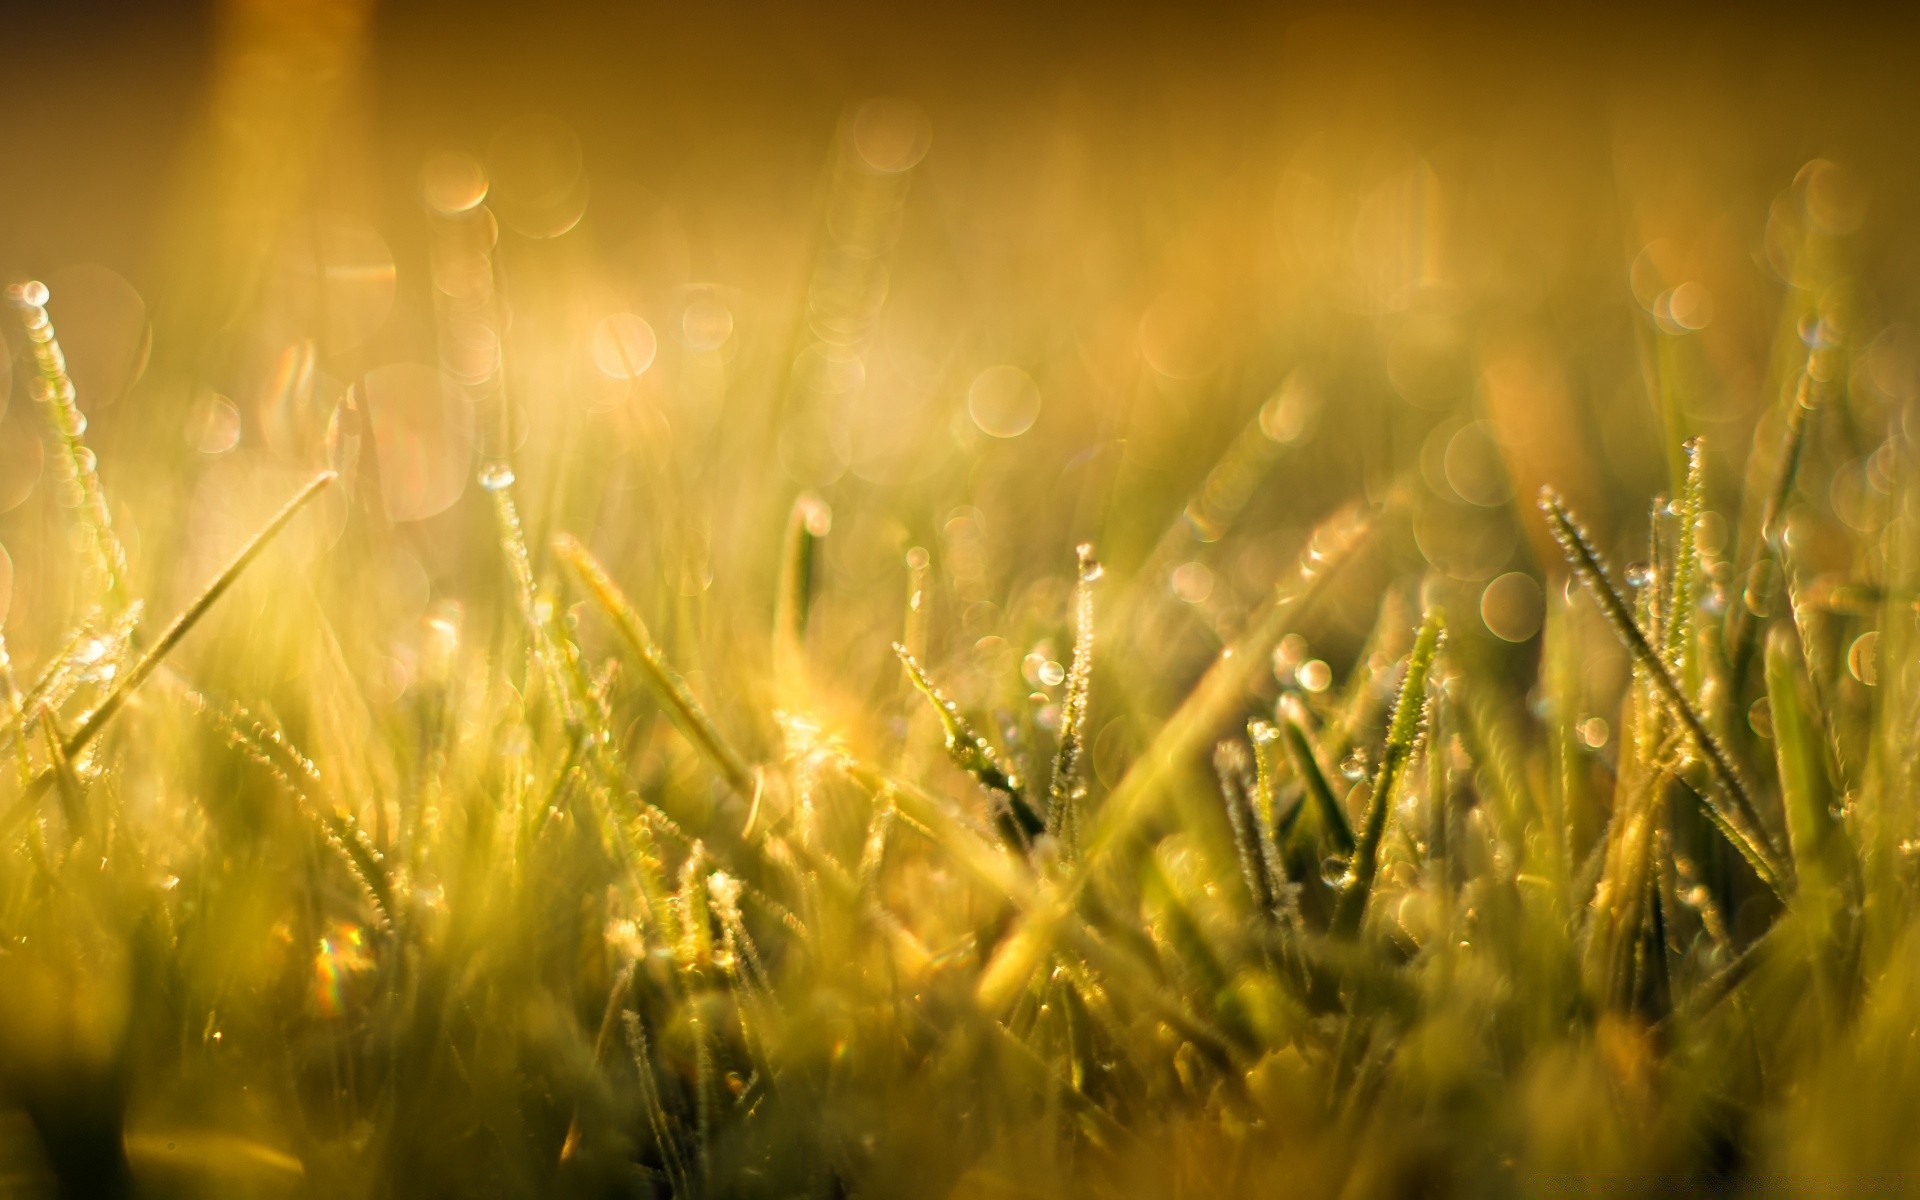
[
  {"x": 624, "y": 346},
  {"x": 891, "y": 136},
  {"x": 1004, "y": 401},
  {"x": 1513, "y": 607},
  {"x": 453, "y": 182}
]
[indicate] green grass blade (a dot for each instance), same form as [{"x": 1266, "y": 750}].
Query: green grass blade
[
  {"x": 973, "y": 754},
  {"x": 169, "y": 638},
  {"x": 1298, "y": 740},
  {"x": 1404, "y": 734},
  {"x": 1066, "y": 794},
  {"x": 1737, "y": 821},
  {"x": 1683, "y": 598},
  {"x": 660, "y": 678},
  {"x": 107, "y": 557},
  {"x": 807, "y": 524},
  {"x": 1760, "y": 546},
  {"x": 1821, "y": 857}
]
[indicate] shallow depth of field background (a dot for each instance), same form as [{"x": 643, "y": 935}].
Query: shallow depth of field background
[
  {"x": 989, "y": 283},
  {"x": 1402, "y": 224}
]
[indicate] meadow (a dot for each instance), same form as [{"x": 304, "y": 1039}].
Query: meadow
[{"x": 497, "y": 704}]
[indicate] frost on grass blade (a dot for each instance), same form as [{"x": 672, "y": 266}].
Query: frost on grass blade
[
  {"x": 1066, "y": 795},
  {"x": 53, "y": 387},
  {"x": 1736, "y": 819},
  {"x": 974, "y": 755},
  {"x": 126, "y": 683},
  {"x": 1404, "y": 733}
]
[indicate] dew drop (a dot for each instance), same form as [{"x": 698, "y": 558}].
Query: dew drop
[
  {"x": 1090, "y": 568},
  {"x": 1862, "y": 658},
  {"x": 1333, "y": 870},
  {"x": 1639, "y": 575},
  {"x": 497, "y": 476},
  {"x": 1354, "y": 766}
]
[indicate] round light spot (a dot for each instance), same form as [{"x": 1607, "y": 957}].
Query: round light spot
[
  {"x": 452, "y": 182},
  {"x": 1180, "y": 335},
  {"x": 1689, "y": 306},
  {"x": 213, "y": 424},
  {"x": 1290, "y": 413},
  {"x": 706, "y": 324},
  {"x": 1314, "y": 675},
  {"x": 1594, "y": 732},
  {"x": 1473, "y": 469},
  {"x": 1834, "y": 200},
  {"x": 1512, "y": 607},
  {"x": 469, "y": 349},
  {"x": 1469, "y": 544},
  {"x": 1004, "y": 401},
  {"x": 891, "y": 136},
  {"x": 623, "y": 346},
  {"x": 1192, "y": 582}
]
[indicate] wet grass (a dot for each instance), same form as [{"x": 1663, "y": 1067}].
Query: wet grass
[{"x": 585, "y": 910}]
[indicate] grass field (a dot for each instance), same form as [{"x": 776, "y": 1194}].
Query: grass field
[{"x": 506, "y": 699}]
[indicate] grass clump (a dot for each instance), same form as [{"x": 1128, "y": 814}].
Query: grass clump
[{"x": 604, "y": 903}]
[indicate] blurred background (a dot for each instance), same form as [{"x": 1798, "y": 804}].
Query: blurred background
[{"x": 991, "y": 281}]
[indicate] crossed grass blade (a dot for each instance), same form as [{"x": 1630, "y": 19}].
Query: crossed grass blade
[
  {"x": 1736, "y": 820},
  {"x": 91, "y": 725},
  {"x": 1204, "y": 711},
  {"x": 972, "y": 753}
]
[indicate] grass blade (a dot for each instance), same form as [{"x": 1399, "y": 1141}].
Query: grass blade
[
  {"x": 1739, "y": 824},
  {"x": 96, "y": 720},
  {"x": 54, "y": 389},
  {"x": 1761, "y": 548},
  {"x": 1404, "y": 735},
  {"x": 1821, "y": 858},
  {"x": 1067, "y": 793},
  {"x": 660, "y": 678},
  {"x": 1298, "y": 740},
  {"x": 809, "y": 522},
  {"x": 973, "y": 754}
]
